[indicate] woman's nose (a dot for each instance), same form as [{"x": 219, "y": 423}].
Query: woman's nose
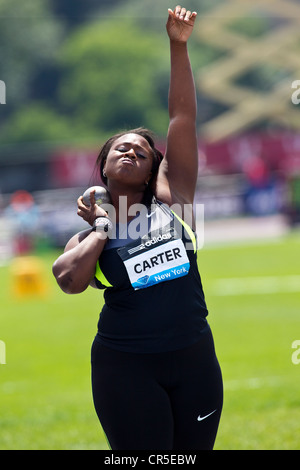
[{"x": 131, "y": 153}]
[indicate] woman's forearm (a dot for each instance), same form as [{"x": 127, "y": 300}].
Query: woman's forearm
[
  {"x": 75, "y": 268},
  {"x": 182, "y": 93}
]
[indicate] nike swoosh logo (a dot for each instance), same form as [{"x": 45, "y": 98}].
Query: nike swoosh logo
[
  {"x": 204, "y": 417},
  {"x": 151, "y": 213}
]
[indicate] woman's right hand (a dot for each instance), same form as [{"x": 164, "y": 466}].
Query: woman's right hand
[{"x": 90, "y": 213}]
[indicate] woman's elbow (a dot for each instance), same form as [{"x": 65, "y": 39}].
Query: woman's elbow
[{"x": 65, "y": 281}]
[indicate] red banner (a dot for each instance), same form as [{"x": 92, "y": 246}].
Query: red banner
[{"x": 275, "y": 152}]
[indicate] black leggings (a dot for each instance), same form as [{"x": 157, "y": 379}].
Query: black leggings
[{"x": 162, "y": 401}]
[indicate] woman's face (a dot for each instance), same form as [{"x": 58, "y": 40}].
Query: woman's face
[{"x": 129, "y": 161}]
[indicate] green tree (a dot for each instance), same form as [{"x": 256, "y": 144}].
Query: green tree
[
  {"x": 36, "y": 122},
  {"x": 29, "y": 37},
  {"x": 112, "y": 71},
  {"x": 75, "y": 12}
]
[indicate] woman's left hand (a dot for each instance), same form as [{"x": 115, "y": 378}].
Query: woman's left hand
[{"x": 180, "y": 24}]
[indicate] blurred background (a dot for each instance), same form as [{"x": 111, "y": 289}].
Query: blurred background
[
  {"x": 77, "y": 71},
  {"x": 72, "y": 80}
]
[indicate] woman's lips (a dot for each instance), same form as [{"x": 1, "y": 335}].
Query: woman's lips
[{"x": 127, "y": 161}]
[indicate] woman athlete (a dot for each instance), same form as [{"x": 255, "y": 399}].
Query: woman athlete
[{"x": 155, "y": 377}]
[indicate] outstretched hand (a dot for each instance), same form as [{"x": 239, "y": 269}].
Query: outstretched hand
[{"x": 180, "y": 24}]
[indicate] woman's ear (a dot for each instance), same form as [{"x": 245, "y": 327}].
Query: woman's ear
[{"x": 103, "y": 169}]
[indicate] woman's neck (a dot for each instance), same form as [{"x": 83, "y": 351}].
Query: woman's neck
[{"x": 122, "y": 200}]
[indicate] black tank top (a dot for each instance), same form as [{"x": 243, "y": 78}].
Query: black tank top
[{"x": 154, "y": 301}]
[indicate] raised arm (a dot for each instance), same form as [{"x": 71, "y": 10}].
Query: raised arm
[{"x": 177, "y": 177}]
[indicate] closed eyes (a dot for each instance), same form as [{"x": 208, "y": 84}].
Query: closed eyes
[{"x": 123, "y": 150}]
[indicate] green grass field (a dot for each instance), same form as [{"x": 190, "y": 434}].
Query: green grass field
[{"x": 253, "y": 294}]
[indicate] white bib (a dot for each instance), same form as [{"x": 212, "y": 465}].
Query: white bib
[{"x": 160, "y": 258}]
